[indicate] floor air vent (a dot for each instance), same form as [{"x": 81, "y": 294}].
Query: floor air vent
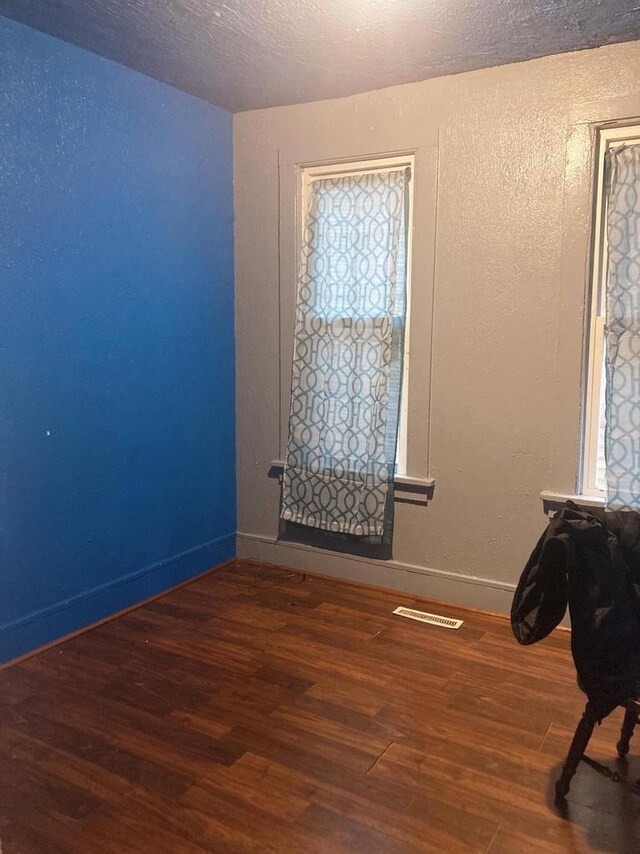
[{"x": 433, "y": 619}]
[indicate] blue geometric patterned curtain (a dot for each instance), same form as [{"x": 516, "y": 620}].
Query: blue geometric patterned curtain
[
  {"x": 347, "y": 360},
  {"x": 622, "y": 330}
]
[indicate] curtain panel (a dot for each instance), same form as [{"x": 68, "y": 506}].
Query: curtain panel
[
  {"x": 347, "y": 359},
  {"x": 622, "y": 329}
]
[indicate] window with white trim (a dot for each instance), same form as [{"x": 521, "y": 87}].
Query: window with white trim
[
  {"x": 593, "y": 475},
  {"x": 308, "y": 174}
]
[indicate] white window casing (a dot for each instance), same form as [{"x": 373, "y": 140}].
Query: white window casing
[
  {"x": 306, "y": 176},
  {"x": 592, "y": 481}
]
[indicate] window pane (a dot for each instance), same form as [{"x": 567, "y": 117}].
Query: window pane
[
  {"x": 601, "y": 469},
  {"x": 351, "y": 219}
]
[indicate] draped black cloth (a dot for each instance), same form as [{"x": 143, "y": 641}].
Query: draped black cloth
[{"x": 590, "y": 560}]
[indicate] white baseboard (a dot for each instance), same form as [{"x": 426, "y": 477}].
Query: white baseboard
[{"x": 468, "y": 590}]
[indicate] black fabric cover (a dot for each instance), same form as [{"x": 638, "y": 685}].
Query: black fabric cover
[{"x": 589, "y": 559}]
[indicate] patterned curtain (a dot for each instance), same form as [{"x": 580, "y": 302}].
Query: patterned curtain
[
  {"x": 622, "y": 330},
  {"x": 347, "y": 360}
]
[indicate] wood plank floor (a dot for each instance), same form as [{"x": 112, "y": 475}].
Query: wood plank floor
[{"x": 257, "y": 710}]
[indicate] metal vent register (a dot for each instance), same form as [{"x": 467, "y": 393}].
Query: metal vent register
[{"x": 432, "y": 619}]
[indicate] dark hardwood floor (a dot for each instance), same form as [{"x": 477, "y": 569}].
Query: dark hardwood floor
[{"x": 258, "y": 710}]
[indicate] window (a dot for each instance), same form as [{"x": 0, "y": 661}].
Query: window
[
  {"x": 593, "y": 479},
  {"x": 332, "y": 302}
]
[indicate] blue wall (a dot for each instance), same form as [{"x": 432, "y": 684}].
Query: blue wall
[{"x": 117, "y": 431}]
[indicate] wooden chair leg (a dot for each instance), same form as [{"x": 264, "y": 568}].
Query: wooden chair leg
[
  {"x": 579, "y": 744},
  {"x": 628, "y": 725}
]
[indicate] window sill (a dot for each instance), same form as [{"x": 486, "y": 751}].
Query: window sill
[
  {"x": 413, "y": 490},
  {"x": 553, "y": 501}
]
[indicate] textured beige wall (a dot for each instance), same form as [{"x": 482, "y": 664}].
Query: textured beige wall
[{"x": 502, "y": 201}]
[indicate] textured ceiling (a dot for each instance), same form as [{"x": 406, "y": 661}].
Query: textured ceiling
[{"x": 243, "y": 54}]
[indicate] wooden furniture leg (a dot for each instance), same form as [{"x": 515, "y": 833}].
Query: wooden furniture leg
[
  {"x": 578, "y": 746},
  {"x": 628, "y": 725}
]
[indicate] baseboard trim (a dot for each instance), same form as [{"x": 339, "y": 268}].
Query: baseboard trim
[
  {"x": 48, "y": 626},
  {"x": 465, "y": 590}
]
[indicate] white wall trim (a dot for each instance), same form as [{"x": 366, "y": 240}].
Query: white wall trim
[
  {"x": 558, "y": 499},
  {"x": 421, "y": 581}
]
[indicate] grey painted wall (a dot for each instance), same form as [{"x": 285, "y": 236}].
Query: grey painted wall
[{"x": 501, "y": 241}]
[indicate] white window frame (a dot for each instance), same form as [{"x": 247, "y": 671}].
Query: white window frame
[
  {"x": 339, "y": 169},
  {"x": 606, "y": 138}
]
